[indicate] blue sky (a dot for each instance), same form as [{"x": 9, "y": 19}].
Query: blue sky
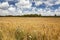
[{"x": 21, "y": 7}]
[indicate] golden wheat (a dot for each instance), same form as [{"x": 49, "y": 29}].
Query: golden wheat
[{"x": 21, "y": 28}]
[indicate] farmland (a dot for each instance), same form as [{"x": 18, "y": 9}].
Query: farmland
[{"x": 29, "y": 28}]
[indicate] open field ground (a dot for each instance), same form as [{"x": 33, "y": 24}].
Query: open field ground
[{"x": 29, "y": 28}]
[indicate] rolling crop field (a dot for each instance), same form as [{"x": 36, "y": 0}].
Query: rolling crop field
[{"x": 29, "y": 28}]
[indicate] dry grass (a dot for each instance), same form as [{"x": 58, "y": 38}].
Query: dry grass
[{"x": 20, "y": 28}]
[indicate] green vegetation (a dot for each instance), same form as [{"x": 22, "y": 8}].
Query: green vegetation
[
  {"x": 27, "y": 15},
  {"x": 19, "y": 34},
  {"x": 31, "y": 36},
  {"x": 1, "y": 36},
  {"x": 31, "y": 15}
]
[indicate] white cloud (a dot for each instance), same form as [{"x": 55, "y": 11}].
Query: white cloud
[
  {"x": 49, "y": 3},
  {"x": 57, "y": 12},
  {"x": 4, "y": 12},
  {"x": 11, "y": 8},
  {"x": 11, "y": 0},
  {"x": 4, "y": 5},
  {"x": 23, "y": 4},
  {"x": 58, "y": 2},
  {"x": 38, "y": 3},
  {"x": 26, "y": 4},
  {"x": 43, "y": 12}
]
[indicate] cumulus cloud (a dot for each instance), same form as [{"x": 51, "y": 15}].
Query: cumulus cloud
[
  {"x": 57, "y": 11},
  {"x": 58, "y": 2},
  {"x": 23, "y": 7},
  {"x": 11, "y": 8},
  {"x": 38, "y": 3},
  {"x": 4, "y": 5},
  {"x": 4, "y": 12},
  {"x": 23, "y": 4},
  {"x": 11, "y": 0}
]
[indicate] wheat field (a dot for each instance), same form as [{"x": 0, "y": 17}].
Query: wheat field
[{"x": 29, "y": 28}]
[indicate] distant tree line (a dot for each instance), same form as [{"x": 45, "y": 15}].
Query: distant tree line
[
  {"x": 27, "y": 15},
  {"x": 31, "y": 15}
]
